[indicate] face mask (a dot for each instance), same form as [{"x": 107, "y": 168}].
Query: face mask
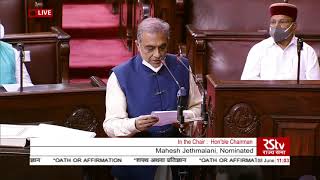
[
  {"x": 1, "y": 31},
  {"x": 279, "y": 34}
]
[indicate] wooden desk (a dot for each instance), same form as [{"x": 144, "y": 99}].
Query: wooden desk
[
  {"x": 78, "y": 106},
  {"x": 269, "y": 108}
]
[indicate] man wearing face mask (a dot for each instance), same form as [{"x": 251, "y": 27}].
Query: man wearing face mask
[
  {"x": 10, "y": 63},
  {"x": 276, "y": 58},
  {"x": 144, "y": 84}
]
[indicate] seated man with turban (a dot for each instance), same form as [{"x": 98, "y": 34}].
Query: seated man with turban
[
  {"x": 276, "y": 58},
  {"x": 10, "y": 64}
]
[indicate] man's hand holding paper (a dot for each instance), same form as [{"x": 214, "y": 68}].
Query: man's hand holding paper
[
  {"x": 144, "y": 122},
  {"x": 170, "y": 117}
]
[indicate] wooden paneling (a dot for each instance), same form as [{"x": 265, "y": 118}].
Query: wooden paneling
[
  {"x": 270, "y": 109},
  {"x": 302, "y": 130},
  {"x": 132, "y": 12},
  {"x": 125, "y": 22},
  {"x": 13, "y": 16},
  {"x": 247, "y": 15}
]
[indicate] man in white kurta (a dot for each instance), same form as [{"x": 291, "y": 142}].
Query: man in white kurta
[
  {"x": 268, "y": 61},
  {"x": 117, "y": 122},
  {"x": 276, "y": 58},
  {"x": 130, "y": 92}
]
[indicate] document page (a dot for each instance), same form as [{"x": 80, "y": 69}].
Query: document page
[
  {"x": 13, "y": 135},
  {"x": 48, "y": 130},
  {"x": 13, "y": 130},
  {"x": 165, "y": 117}
]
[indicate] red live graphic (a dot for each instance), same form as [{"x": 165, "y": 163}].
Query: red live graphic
[
  {"x": 273, "y": 146},
  {"x": 40, "y": 13}
]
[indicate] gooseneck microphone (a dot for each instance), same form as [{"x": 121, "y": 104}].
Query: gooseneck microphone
[
  {"x": 163, "y": 61},
  {"x": 204, "y": 112},
  {"x": 299, "y": 49},
  {"x": 181, "y": 95},
  {"x": 21, "y": 50}
]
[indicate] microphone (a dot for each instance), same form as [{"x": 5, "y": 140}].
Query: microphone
[
  {"x": 181, "y": 95},
  {"x": 204, "y": 112},
  {"x": 21, "y": 49},
  {"x": 165, "y": 65},
  {"x": 299, "y": 49},
  {"x": 193, "y": 75}
]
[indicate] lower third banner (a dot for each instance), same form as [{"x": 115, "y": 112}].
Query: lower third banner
[{"x": 160, "y": 151}]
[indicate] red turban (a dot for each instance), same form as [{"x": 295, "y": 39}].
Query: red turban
[{"x": 284, "y": 9}]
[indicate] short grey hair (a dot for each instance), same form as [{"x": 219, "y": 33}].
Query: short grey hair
[{"x": 153, "y": 25}]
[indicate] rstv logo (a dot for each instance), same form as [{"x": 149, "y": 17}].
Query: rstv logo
[{"x": 273, "y": 146}]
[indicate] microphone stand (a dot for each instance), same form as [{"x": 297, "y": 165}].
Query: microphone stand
[
  {"x": 181, "y": 95},
  {"x": 184, "y": 171},
  {"x": 204, "y": 112},
  {"x": 21, "y": 49},
  {"x": 299, "y": 49}
]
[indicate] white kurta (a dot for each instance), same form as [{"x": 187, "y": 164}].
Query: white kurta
[
  {"x": 268, "y": 61},
  {"x": 117, "y": 123}
]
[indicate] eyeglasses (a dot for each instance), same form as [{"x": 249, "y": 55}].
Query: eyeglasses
[{"x": 281, "y": 22}]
